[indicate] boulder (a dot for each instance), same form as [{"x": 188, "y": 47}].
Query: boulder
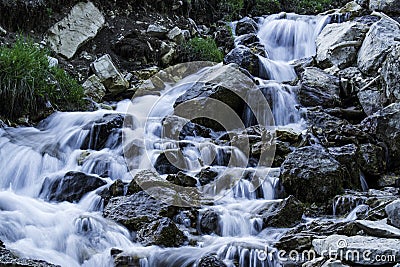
[
  {"x": 211, "y": 261},
  {"x": 319, "y": 88},
  {"x": 157, "y": 31},
  {"x": 338, "y": 44},
  {"x": 209, "y": 222},
  {"x": 371, "y": 100},
  {"x": 94, "y": 89},
  {"x": 385, "y": 126},
  {"x": 178, "y": 128},
  {"x": 378, "y": 228},
  {"x": 246, "y": 25},
  {"x": 70, "y": 187},
  {"x": 81, "y": 24},
  {"x": 372, "y": 160},
  {"x": 393, "y": 212},
  {"x": 137, "y": 210},
  {"x": 370, "y": 250},
  {"x": 176, "y": 35},
  {"x": 206, "y": 176},
  {"x": 182, "y": 179},
  {"x": 162, "y": 232},
  {"x": 380, "y": 38},
  {"x": 163, "y": 164},
  {"x": 109, "y": 75},
  {"x": 245, "y": 58},
  {"x": 386, "y": 6},
  {"x": 390, "y": 75},
  {"x": 312, "y": 175}
]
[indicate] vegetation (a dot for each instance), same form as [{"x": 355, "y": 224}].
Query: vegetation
[
  {"x": 27, "y": 82},
  {"x": 201, "y": 49}
]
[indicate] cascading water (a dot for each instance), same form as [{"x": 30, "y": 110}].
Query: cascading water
[{"x": 75, "y": 234}]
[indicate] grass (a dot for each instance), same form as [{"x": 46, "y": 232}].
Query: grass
[
  {"x": 27, "y": 81},
  {"x": 201, "y": 49}
]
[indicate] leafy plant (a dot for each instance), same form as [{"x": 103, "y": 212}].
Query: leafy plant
[
  {"x": 201, "y": 49},
  {"x": 27, "y": 81}
]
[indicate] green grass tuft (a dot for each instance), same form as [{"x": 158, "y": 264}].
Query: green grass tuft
[{"x": 201, "y": 49}]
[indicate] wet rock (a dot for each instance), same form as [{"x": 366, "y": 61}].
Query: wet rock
[
  {"x": 206, "y": 176},
  {"x": 71, "y": 187},
  {"x": 373, "y": 247},
  {"x": 387, "y": 6},
  {"x": 179, "y": 128},
  {"x": 393, "y": 212},
  {"x": 380, "y": 38},
  {"x": 176, "y": 35},
  {"x": 245, "y": 58},
  {"x": 162, "y": 232},
  {"x": 122, "y": 259},
  {"x": 246, "y": 25},
  {"x": 385, "y": 126},
  {"x": 378, "y": 228},
  {"x": 117, "y": 189},
  {"x": 94, "y": 88},
  {"x": 247, "y": 39},
  {"x": 182, "y": 179},
  {"x": 209, "y": 222},
  {"x": 371, "y": 100},
  {"x": 82, "y": 23},
  {"x": 224, "y": 39},
  {"x": 109, "y": 75},
  {"x": 389, "y": 73},
  {"x": 312, "y": 175},
  {"x": 137, "y": 210},
  {"x": 338, "y": 44},
  {"x": 165, "y": 165},
  {"x": 211, "y": 261},
  {"x": 285, "y": 213},
  {"x": 372, "y": 161},
  {"x": 157, "y": 31},
  {"x": 101, "y": 130},
  {"x": 319, "y": 88}
]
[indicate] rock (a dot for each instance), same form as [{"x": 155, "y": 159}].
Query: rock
[
  {"x": 157, "y": 31},
  {"x": 206, "y": 176},
  {"x": 210, "y": 261},
  {"x": 312, "y": 175},
  {"x": 370, "y": 250},
  {"x": 247, "y": 39},
  {"x": 176, "y": 35},
  {"x": 338, "y": 44},
  {"x": 2, "y": 31},
  {"x": 245, "y": 58},
  {"x": 246, "y": 25},
  {"x": 109, "y": 75},
  {"x": 70, "y": 187},
  {"x": 122, "y": 259},
  {"x": 224, "y": 39},
  {"x": 162, "y": 232},
  {"x": 385, "y": 126},
  {"x": 117, "y": 189},
  {"x": 319, "y": 89},
  {"x": 137, "y": 210},
  {"x": 386, "y": 6},
  {"x": 393, "y": 212},
  {"x": 94, "y": 88},
  {"x": 371, "y": 100},
  {"x": 389, "y": 181},
  {"x": 390, "y": 77},
  {"x": 372, "y": 161},
  {"x": 163, "y": 164},
  {"x": 81, "y": 24},
  {"x": 182, "y": 179},
  {"x": 103, "y": 129},
  {"x": 168, "y": 58},
  {"x": 285, "y": 213},
  {"x": 380, "y": 38},
  {"x": 378, "y": 228},
  {"x": 209, "y": 222},
  {"x": 178, "y": 128}
]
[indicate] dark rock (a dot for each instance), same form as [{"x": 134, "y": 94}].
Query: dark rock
[
  {"x": 210, "y": 261},
  {"x": 389, "y": 73},
  {"x": 133, "y": 188},
  {"x": 206, "y": 176},
  {"x": 117, "y": 189},
  {"x": 123, "y": 260},
  {"x": 393, "y": 212},
  {"x": 178, "y": 128},
  {"x": 245, "y": 58},
  {"x": 137, "y": 210},
  {"x": 286, "y": 213},
  {"x": 247, "y": 39},
  {"x": 372, "y": 161},
  {"x": 102, "y": 130},
  {"x": 209, "y": 222},
  {"x": 224, "y": 39},
  {"x": 163, "y": 164},
  {"x": 182, "y": 179},
  {"x": 312, "y": 175},
  {"x": 246, "y": 25},
  {"x": 71, "y": 187},
  {"x": 319, "y": 88},
  {"x": 162, "y": 232}
]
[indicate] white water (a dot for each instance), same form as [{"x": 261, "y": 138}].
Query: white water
[{"x": 75, "y": 234}]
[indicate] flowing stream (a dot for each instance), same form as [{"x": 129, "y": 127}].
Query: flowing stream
[{"x": 76, "y": 234}]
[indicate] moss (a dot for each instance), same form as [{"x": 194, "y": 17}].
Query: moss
[
  {"x": 201, "y": 49},
  {"x": 27, "y": 81}
]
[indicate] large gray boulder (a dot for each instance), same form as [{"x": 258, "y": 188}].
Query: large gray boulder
[
  {"x": 371, "y": 100},
  {"x": 387, "y": 6},
  {"x": 338, "y": 44},
  {"x": 319, "y": 88},
  {"x": 312, "y": 175},
  {"x": 246, "y": 25},
  {"x": 390, "y": 74},
  {"x": 81, "y": 24},
  {"x": 393, "y": 212},
  {"x": 380, "y": 38},
  {"x": 385, "y": 126},
  {"x": 162, "y": 232},
  {"x": 245, "y": 58}
]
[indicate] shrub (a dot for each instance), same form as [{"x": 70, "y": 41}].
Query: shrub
[
  {"x": 27, "y": 81},
  {"x": 200, "y": 49}
]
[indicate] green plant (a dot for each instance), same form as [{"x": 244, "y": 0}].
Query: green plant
[
  {"x": 27, "y": 81},
  {"x": 201, "y": 49},
  {"x": 231, "y": 8}
]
